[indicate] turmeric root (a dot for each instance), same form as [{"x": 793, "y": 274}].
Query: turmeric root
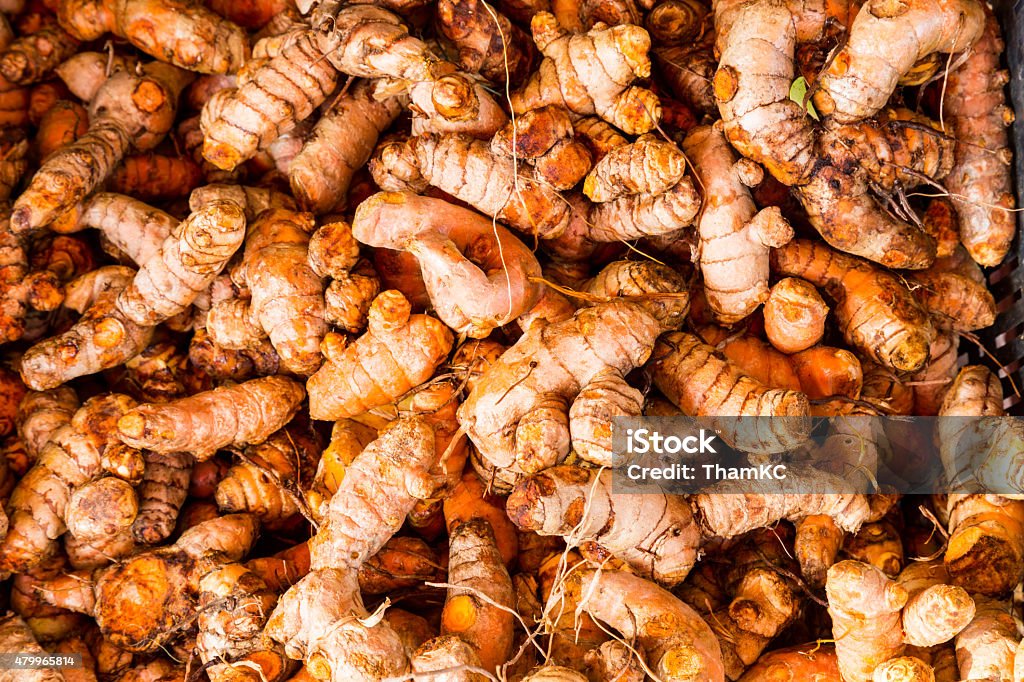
[
  {"x": 71, "y": 458},
  {"x": 704, "y": 384},
  {"x": 348, "y": 438},
  {"x": 31, "y": 58},
  {"x": 321, "y": 173},
  {"x": 752, "y": 87},
  {"x": 458, "y": 251},
  {"x": 145, "y": 106},
  {"x": 446, "y": 653},
  {"x": 985, "y": 648},
  {"x": 875, "y": 311},
  {"x": 478, "y": 608},
  {"x": 816, "y": 545},
  {"x": 884, "y": 43},
  {"x": 287, "y": 296},
  {"x": 632, "y": 217},
  {"x": 181, "y": 32},
  {"x": 401, "y": 562},
  {"x": 955, "y": 296},
  {"x": 169, "y": 577},
  {"x": 865, "y": 607},
  {"x": 979, "y": 184},
  {"x": 156, "y": 177},
  {"x": 208, "y": 421},
  {"x": 522, "y": 203},
  {"x": 563, "y": 76},
  {"x": 233, "y": 607},
  {"x": 187, "y": 262},
  {"x": 102, "y": 338},
  {"x": 497, "y": 414},
  {"x": 41, "y": 414},
  {"x": 815, "y": 661},
  {"x": 794, "y": 315},
  {"x": 678, "y": 644},
  {"x": 316, "y": 619},
  {"x": 654, "y": 533},
  {"x": 648, "y": 166},
  {"x": 480, "y": 39},
  {"x": 734, "y": 236},
  {"x": 985, "y": 547},
  {"x": 64, "y": 123},
  {"x": 471, "y": 499},
  {"x": 935, "y": 611},
  {"x": 411, "y": 346},
  {"x": 161, "y": 493},
  {"x": 265, "y": 482}
]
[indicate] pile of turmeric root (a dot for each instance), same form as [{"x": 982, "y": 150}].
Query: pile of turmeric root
[{"x": 315, "y": 317}]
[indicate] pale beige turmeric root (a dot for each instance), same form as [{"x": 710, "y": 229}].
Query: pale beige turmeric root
[
  {"x": 446, "y": 653},
  {"x": 102, "y": 338},
  {"x": 316, "y": 620},
  {"x": 523, "y": 203},
  {"x": 875, "y": 311},
  {"x": 287, "y": 295},
  {"x": 41, "y": 414},
  {"x": 650, "y": 165},
  {"x": 206, "y": 422},
  {"x": 985, "y": 648},
  {"x": 592, "y": 73},
  {"x": 508, "y": 414},
  {"x": 181, "y": 32},
  {"x": 129, "y": 110},
  {"x": 735, "y": 237},
  {"x": 935, "y": 611},
  {"x": 70, "y": 459},
  {"x": 478, "y": 608},
  {"x": 794, "y": 315},
  {"x": 185, "y": 265},
  {"x": 341, "y": 143},
  {"x": 460, "y": 252},
  {"x": 398, "y": 352},
  {"x": 865, "y": 608},
  {"x": 677, "y": 643},
  {"x": 752, "y": 86},
  {"x": 653, "y": 533},
  {"x": 885, "y": 41},
  {"x": 979, "y": 183}
]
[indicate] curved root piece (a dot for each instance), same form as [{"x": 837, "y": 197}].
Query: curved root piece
[
  {"x": 886, "y": 39},
  {"x": 654, "y": 533},
  {"x": 680, "y": 647},
  {"x": 478, "y": 275}
]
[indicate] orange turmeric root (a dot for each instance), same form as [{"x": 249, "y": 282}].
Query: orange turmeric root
[
  {"x": 875, "y": 311},
  {"x": 407, "y": 348},
  {"x": 156, "y": 177},
  {"x": 479, "y": 605},
  {"x": 206, "y": 422},
  {"x": 182, "y": 32}
]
